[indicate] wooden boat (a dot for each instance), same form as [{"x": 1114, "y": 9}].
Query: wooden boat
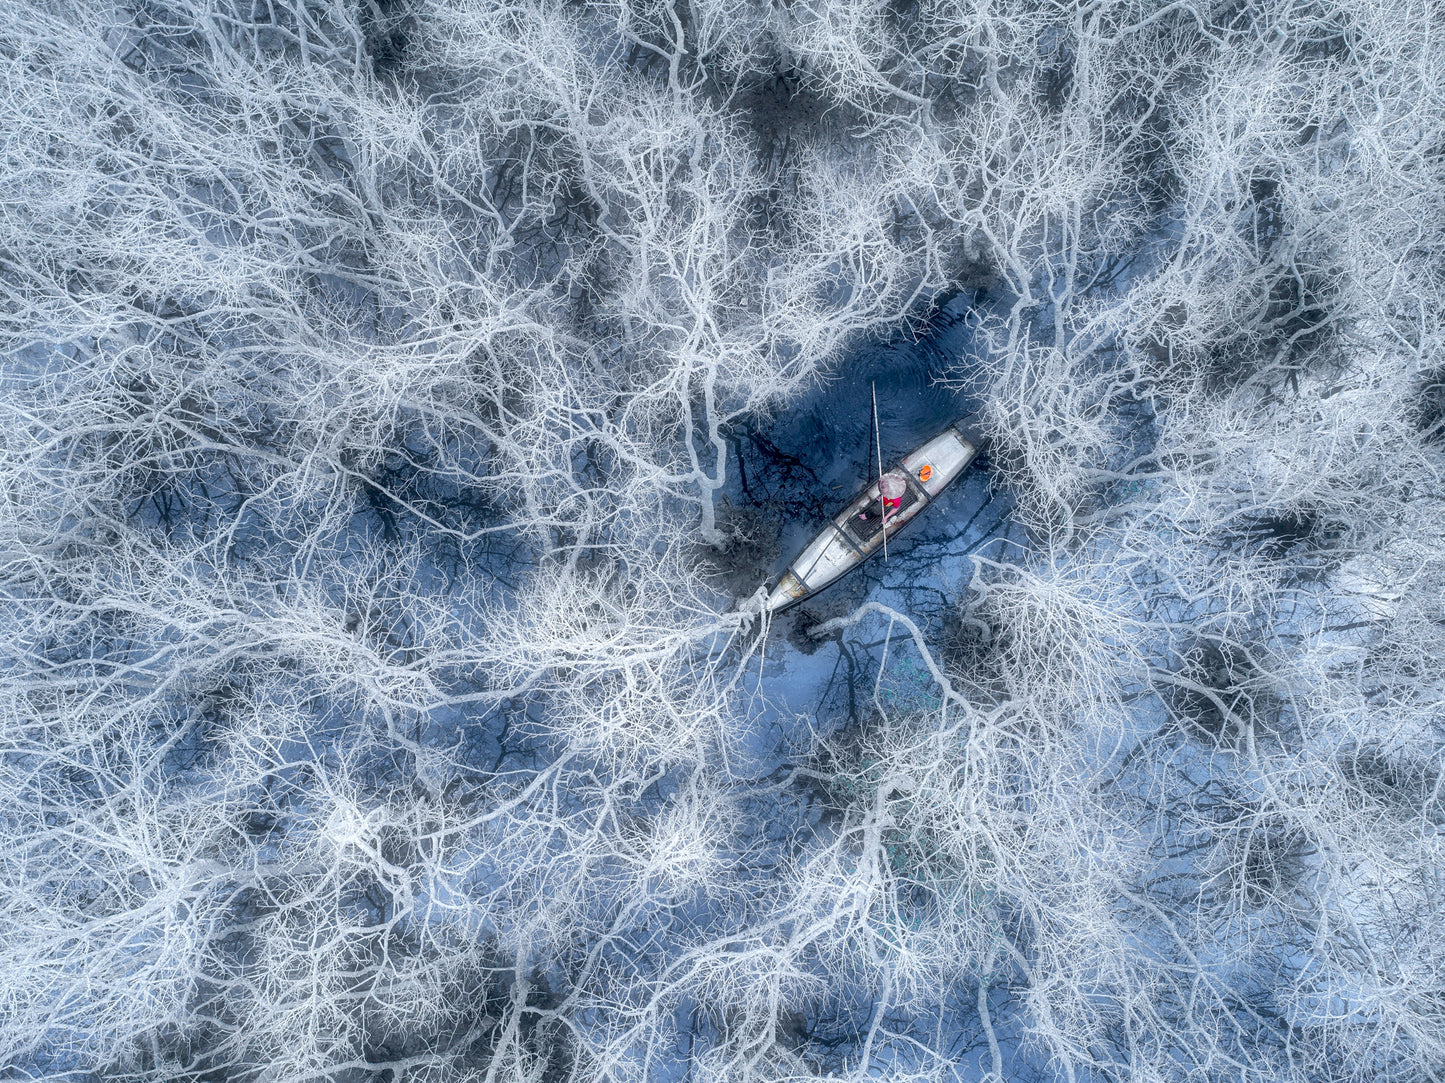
[{"x": 859, "y": 530}]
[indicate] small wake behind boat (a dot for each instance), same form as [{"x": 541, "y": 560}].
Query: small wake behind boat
[{"x": 871, "y": 519}]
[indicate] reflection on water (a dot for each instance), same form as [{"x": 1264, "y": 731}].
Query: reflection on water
[
  {"x": 807, "y": 462},
  {"x": 831, "y": 430}
]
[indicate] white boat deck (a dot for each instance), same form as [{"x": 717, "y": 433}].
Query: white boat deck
[{"x": 845, "y": 542}]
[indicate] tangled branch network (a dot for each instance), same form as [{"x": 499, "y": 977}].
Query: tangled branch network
[{"x": 376, "y": 699}]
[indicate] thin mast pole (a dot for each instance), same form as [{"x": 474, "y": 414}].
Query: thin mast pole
[{"x": 882, "y": 507}]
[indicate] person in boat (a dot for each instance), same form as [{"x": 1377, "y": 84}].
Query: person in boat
[{"x": 891, "y": 487}]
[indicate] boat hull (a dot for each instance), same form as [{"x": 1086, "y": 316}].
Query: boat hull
[{"x": 855, "y": 534}]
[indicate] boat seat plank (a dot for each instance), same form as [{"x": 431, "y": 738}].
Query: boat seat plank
[{"x": 866, "y": 530}]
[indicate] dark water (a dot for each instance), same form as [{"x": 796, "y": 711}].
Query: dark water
[
  {"x": 832, "y": 429},
  {"x": 805, "y": 463}
]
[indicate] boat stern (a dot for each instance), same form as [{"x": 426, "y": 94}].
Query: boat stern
[{"x": 789, "y": 590}]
